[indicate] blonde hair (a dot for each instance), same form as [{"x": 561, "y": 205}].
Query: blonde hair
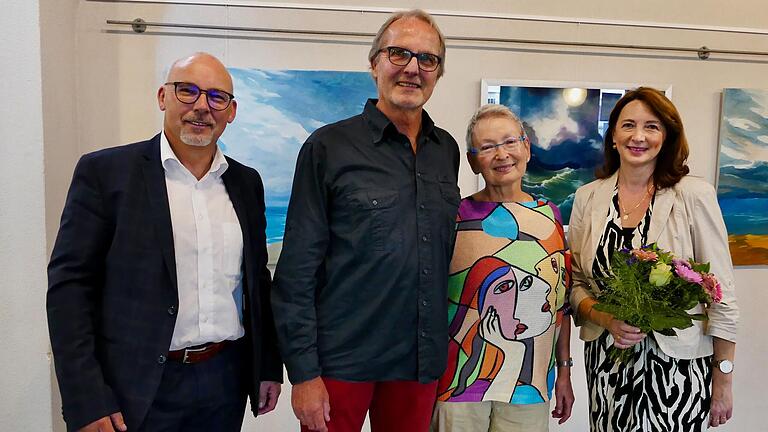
[{"x": 490, "y": 111}]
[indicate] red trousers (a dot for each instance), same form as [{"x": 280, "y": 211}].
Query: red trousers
[{"x": 395, "y": 406}]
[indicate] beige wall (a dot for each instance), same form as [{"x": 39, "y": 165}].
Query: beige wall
[
  {"x": 25, "y": 381},
  {"x": 99, "y": 85}
]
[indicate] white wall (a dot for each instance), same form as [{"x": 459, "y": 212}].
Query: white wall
[
  {"x": 114, "y": 75},
  {"x": 25, "y": 380}
]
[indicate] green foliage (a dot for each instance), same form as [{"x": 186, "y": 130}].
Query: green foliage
[{"x": 629, "y": 296}]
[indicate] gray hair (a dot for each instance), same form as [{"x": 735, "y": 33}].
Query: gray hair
[
  {"x": 490, "y": 111},
  {"x": 413, "y": 13}
]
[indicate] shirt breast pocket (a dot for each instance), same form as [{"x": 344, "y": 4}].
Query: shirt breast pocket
[{"x": 378, "y": 210}]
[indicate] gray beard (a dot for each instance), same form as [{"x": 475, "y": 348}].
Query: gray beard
[{"x": 195, "y": 140}]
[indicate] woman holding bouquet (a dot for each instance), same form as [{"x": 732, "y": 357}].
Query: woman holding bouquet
[
  {"x": 643, "y": 195},
  {"x": 509, "y": 346}
]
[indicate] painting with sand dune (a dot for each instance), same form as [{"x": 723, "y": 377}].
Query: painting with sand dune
[{"x": 742, "y": 187}]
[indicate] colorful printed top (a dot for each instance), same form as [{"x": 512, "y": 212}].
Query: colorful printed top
[{"x": 507, "y": 295}]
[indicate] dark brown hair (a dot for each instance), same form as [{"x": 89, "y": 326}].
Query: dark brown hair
[{"x": 671, "y": 161}]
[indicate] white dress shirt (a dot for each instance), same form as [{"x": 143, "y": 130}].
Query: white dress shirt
[{"x": 208, "y": 245}]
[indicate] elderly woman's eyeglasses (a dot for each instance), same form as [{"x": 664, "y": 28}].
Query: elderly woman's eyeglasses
[
  {"x": 510, "y": 144},
  {"x": 402, "y": 56},
  {"x": 189, "y": 93}
]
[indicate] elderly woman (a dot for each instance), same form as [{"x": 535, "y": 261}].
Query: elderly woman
[
  {"x": 643, "y": 195},
  {"x": 509, "y": 343}
]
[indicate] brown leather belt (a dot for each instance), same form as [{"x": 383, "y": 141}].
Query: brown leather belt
[{"x": 198, "y": 353}]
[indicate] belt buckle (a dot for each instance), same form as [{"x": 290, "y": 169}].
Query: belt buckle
[{"x": 187, "y": 351}]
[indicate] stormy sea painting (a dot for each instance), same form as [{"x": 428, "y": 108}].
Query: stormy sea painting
[
  {"x": 742, "y": 187},
  {"x": 276, "y": 111},
  {"x": 565, "y": 127}
]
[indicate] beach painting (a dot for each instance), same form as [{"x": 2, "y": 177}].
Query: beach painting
[
  {"x": 742, "y": 185},
  {"x": 565, "y": 123},
  {"x": 276, "y": 111}
]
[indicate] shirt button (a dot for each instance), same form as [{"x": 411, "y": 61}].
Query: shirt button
[
  {"x": 375, "y": 202},
  {"x": 424, "y": 303},
  {"x": 423, "y": 333},
  {"x": 421, "y": 207},
  {"x": 161, "y": 359},
  {"x": 172, "y": 310},
  {"x": 204, "y": 318},
  {"x": 425, "y": 238},
  {"x": 425, "y": 271},
  {"x": 418, "y": 174}
]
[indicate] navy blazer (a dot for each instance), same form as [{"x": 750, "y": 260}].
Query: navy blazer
[{"x": 112, "y": 293}]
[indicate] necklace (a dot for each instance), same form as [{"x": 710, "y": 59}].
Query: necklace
[{"x": 628, "y": 212}]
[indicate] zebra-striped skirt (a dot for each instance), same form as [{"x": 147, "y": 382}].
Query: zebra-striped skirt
[{"x": 651, "y": 393}]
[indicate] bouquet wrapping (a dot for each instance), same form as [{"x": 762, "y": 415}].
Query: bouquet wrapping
[{"x": 651, "y": 289}]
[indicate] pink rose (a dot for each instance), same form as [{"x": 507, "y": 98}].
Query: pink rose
[
  {"x": 712, "y": 286},
  {"x": 644, "y": 255},
  {"x": 686, "y": 273}
]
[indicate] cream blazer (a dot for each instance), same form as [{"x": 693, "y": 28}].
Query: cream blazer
[{"x": 687, "y": 221}]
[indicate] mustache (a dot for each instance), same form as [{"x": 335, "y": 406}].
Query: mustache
[{"x": 199, "y": 118}]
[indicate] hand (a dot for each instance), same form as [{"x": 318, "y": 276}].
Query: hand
[
  {"x": 110, "y": 423},
  {"x": 563, "y": 398},
  {"x": 490, "y": 330},
  {"x": 269, "y": 392},
  {"x": 624, "y": 335},
  {"x": 311, "y": 405},
  {"x": 721, "y": 407}
]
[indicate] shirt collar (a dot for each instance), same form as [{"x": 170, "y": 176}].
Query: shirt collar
[
  {"x": 379, "y": 124},
  {"x": 167, "y": 158}
]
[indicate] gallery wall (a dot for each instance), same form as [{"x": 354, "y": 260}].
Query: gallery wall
[
  {"x": 25, "y": 379},
  {"x": 102, "y": 93}
]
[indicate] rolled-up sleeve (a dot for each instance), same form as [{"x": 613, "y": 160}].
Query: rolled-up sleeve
[
  {"x": 710, "y": 244},
  {"x": 296, "y": 276}
]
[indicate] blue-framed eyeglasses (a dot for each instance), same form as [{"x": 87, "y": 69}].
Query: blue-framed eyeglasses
[
  {"x": 510, "y": 144},
  {"x": 401, "y": 57},
  {"x": 189, "y": 93}
]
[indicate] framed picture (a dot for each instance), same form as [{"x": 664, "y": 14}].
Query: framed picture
[
  {"x": 277, "y": 110},
  {"x": 742, "y": 184},
  {"x": 566, "y": 123}
]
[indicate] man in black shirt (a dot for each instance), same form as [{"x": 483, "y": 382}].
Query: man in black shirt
[{"x": 360, "y": 290}]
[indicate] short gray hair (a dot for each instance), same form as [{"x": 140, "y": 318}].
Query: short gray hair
[
  {"x": 490, "y": 111},
  {"x": 413, "y": 13}
]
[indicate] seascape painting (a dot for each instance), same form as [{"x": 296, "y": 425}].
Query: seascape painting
[
  {"x": 276, "y": 111},
  {"x": 565, "y": 126},
  {"x": 742, "y": 187}
]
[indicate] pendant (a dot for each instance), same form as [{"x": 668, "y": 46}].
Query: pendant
[{"x": 626, "y": 216}]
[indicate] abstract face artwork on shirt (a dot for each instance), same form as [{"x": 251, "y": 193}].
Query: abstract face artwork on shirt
[
  {"x": 506, "y": 291},
  {"x": 519, "y": 298},
  {"x": 552, "y": 269}
]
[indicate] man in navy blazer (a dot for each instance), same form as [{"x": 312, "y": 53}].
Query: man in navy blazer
[{"x": 158, "y": 298}]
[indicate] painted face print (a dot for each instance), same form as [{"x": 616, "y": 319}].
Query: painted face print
[{"x": 520, "y": 299}]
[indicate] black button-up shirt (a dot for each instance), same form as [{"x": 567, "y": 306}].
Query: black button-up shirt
[{"x": 360, "y": 286}]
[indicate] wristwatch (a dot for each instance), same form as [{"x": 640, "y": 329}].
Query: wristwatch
[
  {"x": 725, "y": 365},
  {"x": 565, "y": 363}
]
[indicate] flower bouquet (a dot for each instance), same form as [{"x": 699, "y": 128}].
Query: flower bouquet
[{"x": 651, "y": 289}]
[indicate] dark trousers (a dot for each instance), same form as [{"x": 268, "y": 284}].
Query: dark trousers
[{"x": 204, "y": 397}]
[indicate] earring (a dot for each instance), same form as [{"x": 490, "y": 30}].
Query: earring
[{"x": 614, "y": 146}]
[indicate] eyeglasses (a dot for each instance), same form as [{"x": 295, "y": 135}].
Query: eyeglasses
[
  {"x": 401, "y": 57},
  {"x": 189, "y": 93},
  {"x": 510, "y": 144}
]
